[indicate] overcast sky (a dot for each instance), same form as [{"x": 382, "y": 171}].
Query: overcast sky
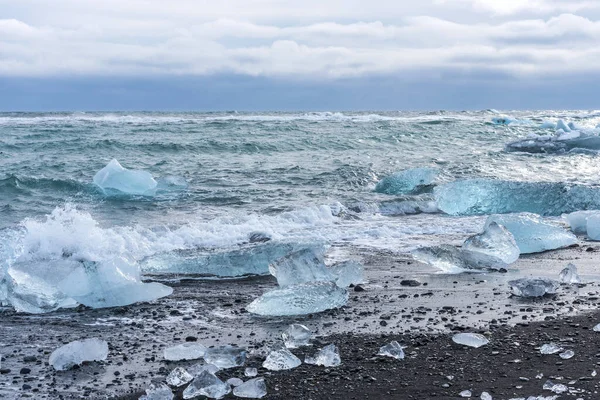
[{"x": 309, "y": 55}]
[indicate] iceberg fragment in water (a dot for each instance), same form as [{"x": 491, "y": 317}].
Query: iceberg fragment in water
[
  {"x": 158, "y": 391},
  {"x": 281, "y": 359},
  {"x": 495, "y": 241},
  {"x": 392, "y": 349},
  {"x": 305, "y": 298},
  {"x": 302, "y": 266},
  {"x": 533, "y": 287},
  {"x": 185, "y": 351},
  {"x": 407, "y": 182},
  {"x": 347, "y": 273},
  {"x": 569, "y": 274},
  {"x": 179, "y": 377},
  {"x": 252, "y": 389},
  {"x": 296, "y": 335},
  {"x": 206, "y": 384},
  {"x": 225, "y": 356},
  {"x": 77, "y": 352},
  {"x": 328, "y": 356},
  {"x": 470, "y": 339},
  {"x": 452, "y": 259},
  {"x": 114, "y": 179}
]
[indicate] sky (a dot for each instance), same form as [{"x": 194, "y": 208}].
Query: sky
[{"x": 76, "y": 55}]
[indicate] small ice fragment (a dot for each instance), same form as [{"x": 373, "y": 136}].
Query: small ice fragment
[
  {"x": 281, "y": 359},
  {"x": 250, "y": 372},
  {"x": 569, "y": 274},
  {"x": 392, "y": 349},
  {"x": 185, "y": 351},
  {"x": 206, "y": 384},
  {"x": 235, "y": 381},
  {"x": 550, "y": 348},
  {"x": 485, "y": 396},
  {"x": 197, "y": 369},
  {"x": 470, "y": 339},
  {"x": 592, "y": 226},
  {"x": 179, "y": 377},
  {"x": 347, "y": 273},
  {"x": 578, "y": 220},
  {"x": 594, "y": 373},
  {"x": 596, "y": 328},
  {"x": 158, "y": 391},
  {"x": 465, "y": 393},
  {"x": 302, "y": 266},
  {"x": 75, "y": 353},
  {"x": 557, "y": 388},
  {"x": 533, "y": 287},
  {"x": 452, "y": 259},
  {"x": 407, "y": 182},
  {"x": 252, "y": 389},
  {"x": 296, "y": 335},
  {"x": 114, "y": 179},
  {"x": 565, "y": 355},
  {"x": 225, "y": 356},
  {"x": 328, "y": 356},
  {"x": 495, "y": 241}
]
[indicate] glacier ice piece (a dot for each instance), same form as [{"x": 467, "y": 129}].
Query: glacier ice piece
[
  {"x": 302, "y": 266},
  {"x": 465, "y": 393},
  {"x": 550, "y": 348},
  {"x": 470, "y": 339},
  {"x": 185, "y": 351},
  {"x": 281, "y": 359},
  {"x": 485, "y": 396},
  {"x": 348, "y": 273},
  {"x": 557, "y": 388},
  {"x": 296, "y": 335},
  {"x": 225, "y": 356},
  {"x": 453, "y": 259},
  {"x": 533, "y": 287},
  {"x": 234, "y": 382},
  {"x": 565, "y": 355},
  {"x": 407, "y": 182},
  {"x": 305, "y": 298},
  {"x": 578, "y": 220},
  {"x": 158, "y": 391},
  {"x": 569, "y": 274},
  {"x": 532, "y": 234},
  {"x": 328, "y": 356},
  {"x": 206, "y": 384},
  {"x": 197, "y": 369},
  {"x": 548, "y": 125},
  {"x": 560, "y": 124},
  {"x": 250, "y": 372},
  {"x": 179, "y": 377},
  {"x": 77, "y": 352},
  {"x": 392, "y": 349},
  {"x": 495, "y": 241},
  {"x": 253, "y": 389},
  {"x": 114, "y": 180},
  {"x": 596, "y": 328},
  {"x": 593, "y": 226}
]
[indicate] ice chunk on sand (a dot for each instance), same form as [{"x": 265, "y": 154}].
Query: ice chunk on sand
[
  {"x": 578, "y": 220},
  {"x": 550, "y": 348},
  {"x": 185, "y": 351},
  {"x": 503, "y": 120},
  {"x": 465, "y": 393},
  {"x": 179, "y": 377},
  {"x": 234, "y": 381},
  {"x": 392, "y": 349},
  {"x": 452, "y": 259},
  {"x": 296, "y": 335},
  {"x": 593, "y": 226},
  {"x": 301, "y": 266},
  {"x": 281, "y": 359},
  {"x": 533, "y": 287},
  {"x": 114, "y": 179},
  {"x": 495, "y": 241},
  {"x": 199, "y": 368},
  {"x": 569, "y": 274},
  {"x": 565, "y": 355},
  {"x": 470, "y": 339},
  {"x": 158, "y": 391},
  {"x": 485, "y": 396},
  {"x": 407, "y": 182},
  {"x": 532, "y": 234},
  {"x": 225, "y": 356},
  {"x": 347, "y": 273},
  {"x": 328, "y": 356},
  {"x": 596, "y": 328},
  {"x": 250, "y": 372},
  {"x": 206, "y": 384},
  {"x": 77, "y": 352},
  {"x": 557, "y": 388},
  {"x": 252, "y": 389}
]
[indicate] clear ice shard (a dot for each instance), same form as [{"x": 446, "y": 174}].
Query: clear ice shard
[
  {"x": 348, "y": 273},
  {"x": 465, "y": 393},
  {"x": 281, "y": 359},
  {"x": 199, "y": 368},
  {"x": 407, "y": 182},
  {"x": 569, "y": 274},
  {"x": 557, "y": 388},
  {"x": 114, "y": 180},
  {"x": 185, "y": 351},
  {"x": 179, "y": 377},
  {"x": 208, "y": 385},
  {"x": 234, "y": 382},
  {"x": 453, "y": 259},
  {"x": 533, "y": 287},
  {"x": 77, "y": 352},
  {"x": 305, "y": 298},
  {"x": 485, "y": 396},
  {"x": 296, "y": 335},
  {"x": 252, "y": 389},
  {"x": 532, "y": 234},
  {"x": 495, "y": 241},
  {"x": 158, "y": 391},
  {"x": 565, "y": 355},
  {"x": 392, "y": 349},
  {"x": 470, "y": 339},
  {"x": 488, "y": 196},
  {"x": 593, "y": 226},
  {"x": 250, "y": 372},
  {"x": 550, "y": 348},
  {"x": 225, "y": 356},
  {"x": 596, "y": 328},
  {"x": 328, "y": 356},
  {"x": 578, "y": 220},
  {"x": 302, "y": 266}
]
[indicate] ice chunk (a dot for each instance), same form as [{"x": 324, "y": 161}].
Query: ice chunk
[
  {"x": 550, "y": 348},
  {"x": 206, "y": 384},
  {"x": 503, "y": 120},
  {"x": 407, "y": 182},
  {"x": 532, "y": 234},
  {"x": 281, "y": 359},
  {"x": 328, "y": 356},
  {"x": 296, "y": 335},
  {"x": 470, "y": 339},
  {"x": 234, "y": 382},
  {"x": 185, "y": 351},
  {"x": 225, "y": 356},
  {"x": 560, "y": 124},
  {"x": 392, "y": 349},
  {"x": 485, "y": 396},
  {"x": 452, "y": 259},
  {"x": 114, "y": 179},
  {"x": 250, "y": 372},
  {"x": 578, "y": 220},
  {"x": 565, "y": 355},
  {"x": 252, "y": 389},
  {"x": 569, "y": 274},
  {"x": 548, "y": 125},
  {"x": 593, "y": 226},
  {"x": 596, "y": 328},
  {"x": 495, "y": 241},
  {"x": 179, "y": 377},
  {"x": 465, "y": 393},
  {"x": 555, "y": 387},
  {"x": 306, "y": 298},
  {"x": 158, "y": 391},
  {"x": 77, "y": 352},
  {"x": 197, "y": 369},
  {"x": 347, "y": 273},
  {"x": 301, "y": 266},
  {"x": 533, "y": 287}
]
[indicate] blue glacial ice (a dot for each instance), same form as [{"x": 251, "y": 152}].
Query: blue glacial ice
[
  {"x": 116, "y": 180},
  {"x": 296, "y": 335},
  {"x": 566, "y": 138},
  {"x": 452, "y": 259},
  {"x": 578, "y": 220},
  {"x": 206, "y": 384},
  {"x": 251, "y": 389},
  {"x": 302, "y": 266},
  {"x": 328, "y": 356},
  {"x": 532, "y": 233},
  {"x": 348, "y": 273},
  {"x": 593, "y": 226},
  {"x": 407, "y": 182},
  {"x": 495, "y": 241},
  {"x": 75, "y": 353}
]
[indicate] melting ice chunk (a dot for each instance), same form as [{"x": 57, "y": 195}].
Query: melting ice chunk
[
  {"x": 532, "y": 234},
  {"x": 569, "y": 274},
  {"x": 158, "y": 391},
  {"x": 495, "y": 241},
  {"x": 452, "y": 259},
  {"x": 555, "y": 387},
  {"x": 302, "y": 266},
  {"x": 593, "y": 226},
  {"x": 596, "y": 328},
  {"x": 305, "y": 298},
  {"x": 197, "y": 369},
  {"x": 328, "y": 356},
  {"x": 465, "y": 393},
  {"x": 250, "y": 372},
  {"x": 234, "y": 382},
  {"x": 185, "y": 351},
  {"x": 179, "y": 377},
  {"x": 206, "y": 384},
  {"x": 407, "y": 182},
  {"x": 392, "y": 349},
  {"x": 485, "y": 396},
  {"x": 565, "y": 355},
  {"x": 550, "y": 348},
  {"x": 347, "y": 273},
  {"x": 225, "y": 356},
  {"x": 470, "y": 339},
  {"x": 252, "y": 389},
  {"x": 578, "y": 220},
  {"x": 77, "y": 352},
  {"x": 533, "y": 287},
  {"x": 281, "y": 359},
  {"x": 114, "y": 179},
  {"x": 296, "y": 335}
]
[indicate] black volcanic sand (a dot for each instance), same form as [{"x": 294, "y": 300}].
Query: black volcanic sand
[{"x": 421, "y": 315}]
